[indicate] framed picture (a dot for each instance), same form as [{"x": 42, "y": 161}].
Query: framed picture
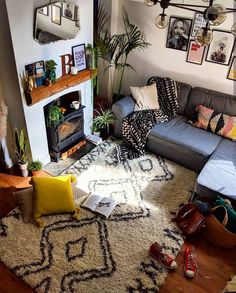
[
  {"x": 221, "y": 47},
  {"x": 79, "y": 57},
  {"x": 232, "y": 69},
  {"x": 56, "y": 14},
  {"x": 198, "y": 23},
  {"x": 68, "y": 11},
  {"x": 195, "y": 53},
  {"x": 77, "y": 18},
  {"x": 178, "y": 33},
  {"x": 37, "y": 71},
  {"x": 43, "y": 10}
]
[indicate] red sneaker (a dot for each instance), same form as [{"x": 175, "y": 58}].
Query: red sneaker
[
  {"x": 164, "y": 259},
  {"x": 190, "y": 264}
]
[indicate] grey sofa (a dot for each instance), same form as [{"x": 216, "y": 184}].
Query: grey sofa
[{"x": 211, "y": 155}]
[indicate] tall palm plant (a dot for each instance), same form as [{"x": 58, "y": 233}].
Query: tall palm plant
[{"x": 115, "y": 49}]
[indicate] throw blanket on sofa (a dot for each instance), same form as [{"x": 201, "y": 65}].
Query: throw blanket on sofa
[{"x": 136, "y": 127}]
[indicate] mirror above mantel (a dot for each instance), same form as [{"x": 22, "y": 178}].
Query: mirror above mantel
[{"x": 56, "y": 21}]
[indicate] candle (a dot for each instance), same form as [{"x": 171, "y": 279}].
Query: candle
[{"x": 73, "y": 70}]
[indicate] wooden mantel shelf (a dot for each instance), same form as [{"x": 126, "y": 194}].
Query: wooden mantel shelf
[{"x": 43, "y": 92}]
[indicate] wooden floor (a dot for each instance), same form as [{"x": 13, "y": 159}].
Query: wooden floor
[{"x": 217, "y": 263}]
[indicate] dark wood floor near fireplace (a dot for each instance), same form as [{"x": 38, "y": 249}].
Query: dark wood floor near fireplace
[{"x": 215, "y": 262}]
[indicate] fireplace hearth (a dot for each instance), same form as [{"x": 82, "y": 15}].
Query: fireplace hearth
[{"x": 69, "y": 132}]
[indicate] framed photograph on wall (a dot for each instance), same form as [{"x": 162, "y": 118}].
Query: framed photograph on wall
[
  {"x": 221, "y": 47},
  {"x": 195, "y": 53},
  {"x": 178, "y": 33},
  {"x": 56, "y": 14},
  {"x": 232, "y": 69},
  {"x": 79, "y": 57},
  {"x": 198, "y": 23},
  {"x": 68, "y": 11}
]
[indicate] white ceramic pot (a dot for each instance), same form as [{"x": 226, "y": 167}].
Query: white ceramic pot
[{"x": 24, "y": 169}]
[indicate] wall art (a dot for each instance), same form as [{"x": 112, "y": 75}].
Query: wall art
[
  {"x": 195, "y": 53},
  {"x": 79, "y": 57}
]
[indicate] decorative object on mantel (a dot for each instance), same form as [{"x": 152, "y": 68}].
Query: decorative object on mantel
[
  {"x": 79, "y": 57},
  {"x": 214, "y": 14},
  {"x": 65, "y": 63},
  {"x": 34, "y": 74},
  {"x": 21, "y": 151},
  {"x": 51, "y": 70},
  {"x": 64, "y": 82}
]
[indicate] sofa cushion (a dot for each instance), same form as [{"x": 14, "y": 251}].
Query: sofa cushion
[
  {"x": 219, "y": 174},
  {"x": 179, "y": 131},
  {"x": 218, "y": 123},
  {"x": 182, "y": 97},
  {"x": 220, "y": 102}
]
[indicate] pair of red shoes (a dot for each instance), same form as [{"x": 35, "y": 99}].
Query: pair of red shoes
[{"x": 190, "y": 265}]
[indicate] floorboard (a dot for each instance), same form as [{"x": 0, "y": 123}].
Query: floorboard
[{"x": 217, "y": 263}]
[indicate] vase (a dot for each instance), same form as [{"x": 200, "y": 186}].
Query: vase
[{"x": 24, "y": 169}]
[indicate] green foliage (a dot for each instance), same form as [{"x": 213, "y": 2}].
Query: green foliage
[
  {"x": 103, "y": 119},
  {"x": 54, "y": 116},
  {"x": 51, "y": 65},
  {"x": 115, "y": 49},
  {"x": 21, "y": 146},
  {"x": 35, "y": 166}
]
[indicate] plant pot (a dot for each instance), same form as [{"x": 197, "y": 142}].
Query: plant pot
[
  {"x": 96, "y": 133},
  {"x": 36, "y": 173},
  {"x": 24, "y": 169}
]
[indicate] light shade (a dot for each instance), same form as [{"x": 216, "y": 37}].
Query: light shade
[
  {"x": 203, "y": 36},
  {"x": 233, "y": 29},
  {"x": 149, "y": 2},
  {"x": 215, "y": 14},
  {"x": 161, "y": 21}
]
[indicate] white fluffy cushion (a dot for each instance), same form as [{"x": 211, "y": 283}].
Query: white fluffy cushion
[{"x": 146, "y": 97}]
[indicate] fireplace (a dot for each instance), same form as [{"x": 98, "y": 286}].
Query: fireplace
[{"x": 70, "y": 131}]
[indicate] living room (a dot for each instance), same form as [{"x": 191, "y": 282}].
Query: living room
[{"x": 19, "y": 48}]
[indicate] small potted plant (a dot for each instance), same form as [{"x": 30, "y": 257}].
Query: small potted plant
[
  {"x": 103, "y": 120},
  {"x": 35, "y": 167},
  {"x": 51, "y": 70},
  {"x": 21, "y": 151},
  {"x": 54, "y": 116}
]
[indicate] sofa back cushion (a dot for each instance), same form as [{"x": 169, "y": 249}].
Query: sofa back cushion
[
  {"x": 220, "y": 102},
  {"x": 183, "y": 94}
]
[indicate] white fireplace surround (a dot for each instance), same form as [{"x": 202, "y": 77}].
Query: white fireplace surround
[{"x": 35, "y": 120}]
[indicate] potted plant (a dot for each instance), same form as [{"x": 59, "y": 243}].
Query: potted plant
[
  {"x": 21, "y": 151},
  {"x": 54, "y": 116},
  {"x": 104, "y": 118},
  {"x": 35, "y": 167},
  {"x": 51, "y": 70}
]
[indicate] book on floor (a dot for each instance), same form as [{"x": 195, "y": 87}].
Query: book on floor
[
  {"x": 94, "y": 139},
  {"x": 99, "y": 204}
]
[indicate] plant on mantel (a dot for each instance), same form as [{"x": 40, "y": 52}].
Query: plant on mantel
[
  {"x": 51, "y": 70},
  {"x": 115, "y": 49}
]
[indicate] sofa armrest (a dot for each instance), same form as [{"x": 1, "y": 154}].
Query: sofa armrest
[{"x": 121, "y": 109}]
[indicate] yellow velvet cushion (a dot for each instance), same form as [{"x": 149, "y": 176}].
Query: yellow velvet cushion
[{"x": 53, "y": 195}]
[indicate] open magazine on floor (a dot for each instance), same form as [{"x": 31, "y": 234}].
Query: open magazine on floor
[{"x": 99, "y": 204}]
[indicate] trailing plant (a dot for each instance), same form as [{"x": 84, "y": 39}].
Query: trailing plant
[
  {"x": 21, "y": 146},
  {"x": 103, "y": 119},
  {"x": 115, "y": 49},
  {"x": 54, "y": 116},
  {"x": 35, "y": 166}
]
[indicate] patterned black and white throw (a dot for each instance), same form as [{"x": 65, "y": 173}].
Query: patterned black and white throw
[{"x": 136, "y": 127}]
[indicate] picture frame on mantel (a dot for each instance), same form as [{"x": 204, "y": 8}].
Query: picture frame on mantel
[
  {"x": 195, "y": 53},
  {"x": 79, "y": 57},
  {"x": 232, "y": 69},
  {"x": 221, "y": 47}
]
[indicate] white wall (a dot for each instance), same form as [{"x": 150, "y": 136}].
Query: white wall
[
  {"x": 158, "y": 60},
  {"x": 27, "y": 50}
]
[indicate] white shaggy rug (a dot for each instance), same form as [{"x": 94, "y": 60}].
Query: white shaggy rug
[{"x": 94, "y": 255}]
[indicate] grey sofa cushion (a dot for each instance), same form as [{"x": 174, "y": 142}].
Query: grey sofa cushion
[
  {"x": 183, "y": 94},
  {"x": 220, "y": 102},
  {"x": 179, "y": 131},
  {"x": 219, "y": 173}
]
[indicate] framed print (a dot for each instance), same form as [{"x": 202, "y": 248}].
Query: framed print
[
  {"x": 221, "y": 47},
  {"x": 79, "y": 57},
  {"x": 37, "y": 71},
  {"x": 195, "y": 53},
  {"x": 43, "y": 10},
  {"x": 77, "y": 18},
  {"x": 56, "y": 14},
  {"x": 68, "y": 11},
  {"x": 198, "y": 23},
  {"x": 232, "y": 69},
  {"x": 178, "y": 33}
]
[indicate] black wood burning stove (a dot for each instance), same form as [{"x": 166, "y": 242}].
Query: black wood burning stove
[{"x": 69, "y": 132}]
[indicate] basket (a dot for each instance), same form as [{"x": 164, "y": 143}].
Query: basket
[{"x": 217, "y": 233}]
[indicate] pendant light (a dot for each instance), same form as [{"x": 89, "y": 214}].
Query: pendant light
[
  {"x": 203, "y": 36},
  {"x": 161, "y": 21},
  {"x": 215, "y": 14}
]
